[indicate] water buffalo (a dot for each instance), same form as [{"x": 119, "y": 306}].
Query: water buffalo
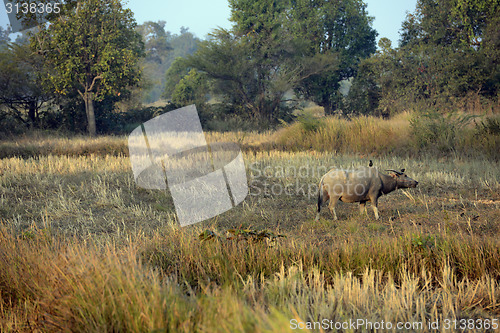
[{"x": 359, "y": 185}]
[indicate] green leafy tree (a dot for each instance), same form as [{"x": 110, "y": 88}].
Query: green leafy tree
[
  {"x": 449, "y": 22},
  {"x": 490, "y": 50},
  {"x": 22, "y": 75},
  {"x": 174, "y": 75},
  {"x": 183, "y": 44},
  {"x": 451, "y": 47},
  {"x": 155, "y": 40},
  {"x": 162, "y": 50},
  {"x": 254, "y": 83},
  {"x": 94, "y": 50},
  {"x": 340, "y": 30},
  {"x": 224, "y": 58},
  {"x": 258, "y": 61},
  {"x": 4, "y": 38},
  {"x": 157, "y": 50},
  {"x": 191, "y": 89},
  {"x": 364, "y": 93},
  {"x": 248, "y": 62}
]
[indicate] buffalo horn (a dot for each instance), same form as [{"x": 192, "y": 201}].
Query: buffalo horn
[{"x": 396, "y": 172}]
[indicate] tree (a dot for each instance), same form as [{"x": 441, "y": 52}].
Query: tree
[
  {"x": 225, "y": 59},
  {"x": 94, "y": 50},
  {"x": 452, "y": 47},
  {"x": 22, "y": 75},
  {"x": 191, "y": 89},
  {"x": 248, "y": 61},
  {"x": 449, "y": 49},
  {"x": 449, "y": 22},
  {"x": 364, "y": 93},
  {"x": 4, "y": 38},
  {"x": 253, "y": 82},
  {"x": 162, "y": 50},
  {"x": 174, "y": 75},
  {"x": 155, "y": 41},
  {"x": 258, "y": 61},
  {"x": 340, "y": 30},
  {"x": 183, "y": 44},
  {"x": 157, "y": 50}
]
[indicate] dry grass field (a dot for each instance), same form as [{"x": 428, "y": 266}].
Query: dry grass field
[{"x": 82, "y": 248}]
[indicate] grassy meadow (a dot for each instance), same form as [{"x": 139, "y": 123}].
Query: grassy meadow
[{"x": 82, "y": 248}]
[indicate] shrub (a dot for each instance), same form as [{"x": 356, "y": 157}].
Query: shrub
[
  {"x": 437, "y": 132},
  {"x": 489, "y": 126}
]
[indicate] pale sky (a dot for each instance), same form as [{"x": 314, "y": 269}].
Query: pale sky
[{"x": 202, "y": 16}]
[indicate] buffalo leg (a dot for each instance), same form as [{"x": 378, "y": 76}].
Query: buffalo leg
[
  {"x": 362, "y": 207},
  {"x": 375, "y": 207},
  {"x": 323, "y": 197},
  {"x": 331, "y": 206}
]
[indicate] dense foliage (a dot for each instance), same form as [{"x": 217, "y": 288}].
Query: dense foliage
[
  {"x": 274, "y": 48},
  {"x": 83, "y": 71},
  {"x": 94, "y": 50},
  {"x": 162, "y": 48},
  {"x": 22, "y": 85},
  {"x": 449, "y": 52}
]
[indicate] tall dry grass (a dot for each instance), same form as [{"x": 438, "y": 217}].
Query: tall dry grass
[
  {"x": 172, "y": 282},
  {"x": 46, "y": 143},
  {"x": 62, "y": 285},
  {"x": 83, "y": 249},
  {"x": 405, "y": 134},
  {"x": 334, "y": 134}
]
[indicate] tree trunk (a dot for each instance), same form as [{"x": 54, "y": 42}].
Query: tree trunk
[
  {"x": 328, "y": 109},
  {"x": 88, "y": 97},
  {"x": 32, "y": 114}
]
